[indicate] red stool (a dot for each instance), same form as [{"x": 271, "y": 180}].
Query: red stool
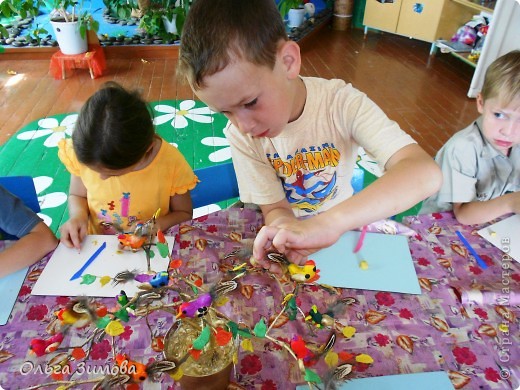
[{"x": 93, "y": 60}]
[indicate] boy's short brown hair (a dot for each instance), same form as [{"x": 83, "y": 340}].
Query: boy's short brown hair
[
  {"x": 502, "y": 78},
  {"x": 215, "y": 31}
]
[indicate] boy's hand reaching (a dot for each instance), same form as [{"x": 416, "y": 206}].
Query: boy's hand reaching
[
  {"x": 296, "y": 240},
  {"x": 73, "y": 232}
]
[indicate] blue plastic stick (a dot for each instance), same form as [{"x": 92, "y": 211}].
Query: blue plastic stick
[
  {"x": 480, "y": 262},
  {"x": 89, "y": 261}
]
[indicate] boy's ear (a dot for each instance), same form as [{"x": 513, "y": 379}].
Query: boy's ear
[
  {"x": 289, "y": 53},
  {"x": 480, "y": 103}
]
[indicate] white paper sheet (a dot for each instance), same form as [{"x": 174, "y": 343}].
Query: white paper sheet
[
  {"x": 505, "y": 235},
  {"x": 55, "y": 278}
]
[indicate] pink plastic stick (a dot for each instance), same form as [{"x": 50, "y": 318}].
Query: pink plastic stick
[{"x": 361, "y": 239}]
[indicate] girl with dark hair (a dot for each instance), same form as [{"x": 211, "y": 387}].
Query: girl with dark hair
[{"x": 121, "y": 171}]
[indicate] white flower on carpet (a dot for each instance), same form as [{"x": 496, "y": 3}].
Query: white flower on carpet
[
  {"x": 179, "y": 116},
  {"x": 50, "y": 127},
  {"x": 219, "y": 155},
  {"x": 48, "y": 201}
]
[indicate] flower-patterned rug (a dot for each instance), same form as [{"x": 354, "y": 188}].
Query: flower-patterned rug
[{"x": 33, "y": 151}]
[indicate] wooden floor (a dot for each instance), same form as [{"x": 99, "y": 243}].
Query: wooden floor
[{"x": 426, "y": 97}]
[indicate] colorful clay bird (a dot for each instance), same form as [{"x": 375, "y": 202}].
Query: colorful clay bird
[
  {"x": 306, "y": 273},
  {"x": 80, "y": 313},
  {"x": 131, "y": 241},
  {"x": 40, "y": 347},
  {"x": 160, "y": 279},
  {"x": 123, "y": 300},
  {"x": 141, "y": 235},
  {"x": 195, "y": 308},
  {"x": 198, "y": 307},
  {"x": 300, "y": 349},
  {"x": 319, "y": 319}
]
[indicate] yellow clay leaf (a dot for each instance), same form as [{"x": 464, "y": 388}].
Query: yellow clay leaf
[
  {"x": 114, "y": 328},
  {"x": 235, "y": 357},
  {"x": 348, "y": 331},
  {"x": 177, "y": 374},
  {"x": 287, "y": 298},
  {"x": 364, "y": 358},
  {"x": 247, "y": 345},
  {"x": 104, "y": 280},
  {"x": 331, "y": 358},
  {"x": 221, "y": 301}
]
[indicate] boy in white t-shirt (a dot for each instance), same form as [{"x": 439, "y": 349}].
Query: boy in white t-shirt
[{"x": 294, "y": 140}]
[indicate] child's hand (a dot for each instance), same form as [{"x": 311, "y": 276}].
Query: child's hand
[
  {"x": 268, "y": 265},
  {"x": 297, "y": 240},
  {"x": 283, "y": 240},
  {"x": 73, "y": 232}
]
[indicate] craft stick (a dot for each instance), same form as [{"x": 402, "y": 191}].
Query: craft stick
[
  {"x": 361, "y": 239},
  {"x": 89, "y": 261},
  {"x": 480, "y": 262}
]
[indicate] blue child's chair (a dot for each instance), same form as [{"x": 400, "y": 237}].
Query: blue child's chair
[
  {"x": 217, "y": 183},
  {"x": 22, "y": 187}
]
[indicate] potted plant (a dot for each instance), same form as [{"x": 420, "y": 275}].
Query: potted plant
[
  {"x": 70, "y": 24},
  {"x": 165, "y": 18},
  {"x": 122, "y": 8},
  {"x": 292, "y": 10},
  {"x": 174, "y": 16}
]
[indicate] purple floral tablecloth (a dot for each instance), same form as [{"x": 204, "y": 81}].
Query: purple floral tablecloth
[{"x": 477, "y": 346}]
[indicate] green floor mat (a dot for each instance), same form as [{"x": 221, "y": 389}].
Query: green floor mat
[{"x": 33, "y": 151}]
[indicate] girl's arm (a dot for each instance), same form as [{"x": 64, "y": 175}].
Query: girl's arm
[
  {"x": 73, "y": 232},
  {"x": 484, "y": 211},
  {"x": 181, "y": 210},
  {"x": 28, "y": 249}
]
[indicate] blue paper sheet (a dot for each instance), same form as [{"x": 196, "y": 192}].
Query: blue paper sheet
[
  {"x": 9, "y": 288},
  {"x": 390, "y": 265},
  {"x": 438, "y": 380}
]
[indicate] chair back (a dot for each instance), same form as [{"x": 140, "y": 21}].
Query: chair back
[
  {"x": 217, "y": 183},
  {"x": 22, "y": 187}
]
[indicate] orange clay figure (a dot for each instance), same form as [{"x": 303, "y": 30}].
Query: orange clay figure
[
  {"x": 131, "y": 241},
  {"x": 141, "y": 235},
  {"x": 135, "y": 370}
]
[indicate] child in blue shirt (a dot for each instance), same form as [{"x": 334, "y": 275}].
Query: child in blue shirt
[{"x": 35, "y": 238}]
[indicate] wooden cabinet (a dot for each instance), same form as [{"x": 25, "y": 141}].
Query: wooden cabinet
[
  {"x": 419, "y": 25},
  {"x": 427, "y": 20},
  {"x": 382, "y": 15}
]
